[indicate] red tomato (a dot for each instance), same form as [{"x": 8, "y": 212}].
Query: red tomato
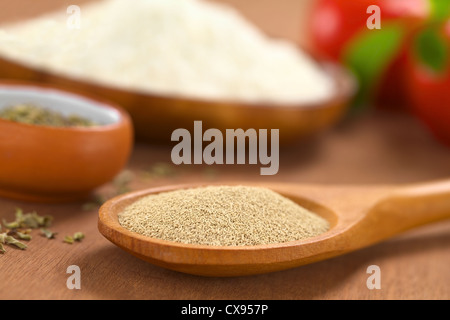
[
  {"x": 334, "y": 23},
  {"x": 429, "y": 89}
]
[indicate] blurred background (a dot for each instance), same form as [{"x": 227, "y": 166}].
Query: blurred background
[
  {"x": 396, "y": 130},
  {"x": 260, "y": 12}
]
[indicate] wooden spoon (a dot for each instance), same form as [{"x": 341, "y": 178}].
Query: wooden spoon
[{"x": 359, "y": 216}]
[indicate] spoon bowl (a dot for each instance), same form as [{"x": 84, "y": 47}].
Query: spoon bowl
[{"x": 358, "y": 215}]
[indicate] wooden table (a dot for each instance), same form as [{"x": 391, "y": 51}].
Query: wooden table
[{"x": 377, "y": 148}]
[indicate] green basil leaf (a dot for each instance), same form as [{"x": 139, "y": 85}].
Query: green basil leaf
[
  {"x": 431, "y": 49},
  {"x": 440, "y": 9},
  {"x": 369, "y": 54}
]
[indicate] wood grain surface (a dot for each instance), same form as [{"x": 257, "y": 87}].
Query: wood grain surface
[{"x": 377, "y": 148}]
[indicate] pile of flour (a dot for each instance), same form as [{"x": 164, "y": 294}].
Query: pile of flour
[{"x": 188, "y": 48}]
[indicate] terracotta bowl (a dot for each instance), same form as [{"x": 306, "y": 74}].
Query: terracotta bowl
[
  {"x": 53, "y": 164},
  {"x": 156, "y": 116}
]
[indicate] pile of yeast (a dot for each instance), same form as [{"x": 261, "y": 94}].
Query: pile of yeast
[
  {"x": 222, "y": 216},
  {"x": 187, "y": 48}
]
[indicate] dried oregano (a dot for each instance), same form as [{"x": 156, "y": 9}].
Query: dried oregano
[
  {"x": 21, "y": 227},
  {"x": 47, "y": 233},
  {"x": 37, "y": 115},
  {"x": 77, "y": 236}
]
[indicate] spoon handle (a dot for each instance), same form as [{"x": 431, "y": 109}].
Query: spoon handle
[{"x": 410, "y": 207}]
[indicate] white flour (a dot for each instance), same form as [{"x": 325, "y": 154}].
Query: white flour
[{"x": 188, "y": 48}]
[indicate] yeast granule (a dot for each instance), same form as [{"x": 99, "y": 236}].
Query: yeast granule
[{"x": 222, "y": 216}]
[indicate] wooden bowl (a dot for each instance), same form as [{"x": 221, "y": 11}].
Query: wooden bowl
[
  {"x": 54, "y": 164},
  {"x": 156, "y": 116}
]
